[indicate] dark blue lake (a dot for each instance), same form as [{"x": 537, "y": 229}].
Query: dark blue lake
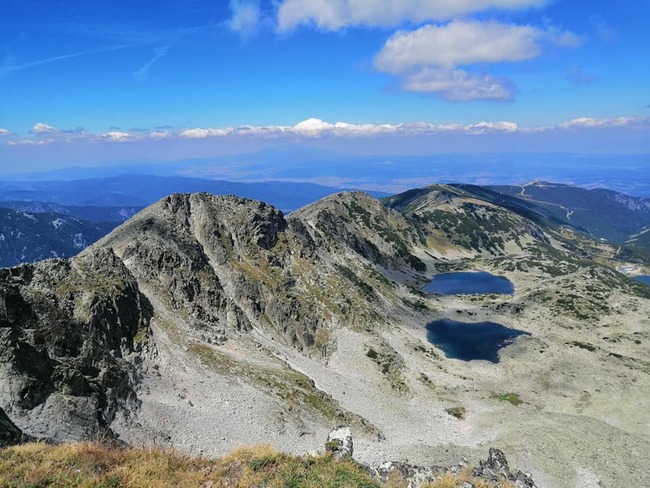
[
  {"x": 468, "y": 341},
  {"x": 643, "y": 279},
  {"x": 472, "y": 283}
]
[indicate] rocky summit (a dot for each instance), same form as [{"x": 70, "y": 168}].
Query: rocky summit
[{"x": 207, "y": 322}]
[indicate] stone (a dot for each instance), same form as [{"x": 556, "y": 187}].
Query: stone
[{"x": 339, "y": 442}]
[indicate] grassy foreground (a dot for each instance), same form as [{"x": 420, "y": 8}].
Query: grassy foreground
[{"x": 89, "y": 465}]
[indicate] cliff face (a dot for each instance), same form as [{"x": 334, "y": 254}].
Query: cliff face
[{"x": 70, "y": 335}]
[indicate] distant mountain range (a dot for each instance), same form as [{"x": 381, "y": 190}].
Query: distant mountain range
[
  {"x": 29, "y": 237},
  {"x": 88, "y": 209},
  {"x": 142, "y": 190}
]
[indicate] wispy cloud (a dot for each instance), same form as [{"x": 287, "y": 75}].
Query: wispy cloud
[
  {"x": 10, "y": 69},
  {"x": 580, "y": 77},
  {"x": 142, "y": 73},
  {"x": 603, "y": 29},
  {"x": 246, "y": 17},
  {"x": 4, "y": 132}
]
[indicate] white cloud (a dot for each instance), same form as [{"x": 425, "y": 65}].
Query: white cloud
[
  {"x": 160, "y": 134},
  {"x": 591, "y": 123},
  {"x": 458, "y": 43},
  {"x": 315, "y": 128},
  {"x": 32, "y": 142},
  {"x": 318, "y": 128},
  {"x": 337, "y": 14},
  {"x": 487, "y": 127},
  {"x": 458, "y": 85},
  {"x": 246, "y": 17},
  {"x": 4, "y": 133},
  {"x": 461, "y": 43},
  {"x": 40, "y": 128},
  {"x": 426, "y": 58},
  {"x": 203, "y": 133},
  {"x": 117, "y": 136}
]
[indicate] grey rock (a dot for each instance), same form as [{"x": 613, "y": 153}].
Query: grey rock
[
  {"x": 339, "y": 442},
  {"x": 9, "y": 433},
  {"x": 69, "y": 335}
]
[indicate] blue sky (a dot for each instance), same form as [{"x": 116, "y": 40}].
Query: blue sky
[{"x": 90, "y": 83}]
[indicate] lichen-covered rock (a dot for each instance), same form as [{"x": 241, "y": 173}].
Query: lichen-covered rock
[{"x": 71, "y": 333}]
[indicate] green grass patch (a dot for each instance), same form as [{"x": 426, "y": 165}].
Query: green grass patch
[{"x": 512, "y": 398}]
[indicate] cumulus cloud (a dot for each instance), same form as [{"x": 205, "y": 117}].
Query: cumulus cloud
[
  {"x": 458, "y": 85},
  {"x": 337, "y": 14},
  {"x": 458, "y": 43},
  {"x": 427, "y": 58},
  {"x": 4, "y": 132},
  {"x": 40, "y": 128},
  {"x": 246, "y": 17}
]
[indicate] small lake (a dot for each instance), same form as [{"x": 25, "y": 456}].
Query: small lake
[
  {"x": 468, "y": 341},
  {"x": 643, "y": 279},
  {"x": 471, "y": 283}
]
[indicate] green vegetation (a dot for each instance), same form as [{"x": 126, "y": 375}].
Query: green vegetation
[{"x": 512, "y": 398}]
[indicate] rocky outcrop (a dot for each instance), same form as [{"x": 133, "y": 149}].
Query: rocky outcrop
[
  {"x": 71, "y": 336},
  {"x": 494, "y": 470},
  {"x": 9, "y": 433},
  {"x": 339, "y": 443}
]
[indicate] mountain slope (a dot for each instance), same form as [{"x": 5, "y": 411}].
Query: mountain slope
[
  {"x": 28, "y": 237},
  {"x": 212, "y": 321},
  {"x": 604, "y": 213},
  {"x": 89, "y": 213}
]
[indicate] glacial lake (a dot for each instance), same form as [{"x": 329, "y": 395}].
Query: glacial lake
[
  {"x": 471, "y": 283},
  {"x": 468, "y": 341},
  {"x": 643, "y": 279}
]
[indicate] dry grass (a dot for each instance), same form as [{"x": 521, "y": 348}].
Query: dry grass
[
  {"x": 86, "y": 465},
  {"x": 456, "y": 480}
]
